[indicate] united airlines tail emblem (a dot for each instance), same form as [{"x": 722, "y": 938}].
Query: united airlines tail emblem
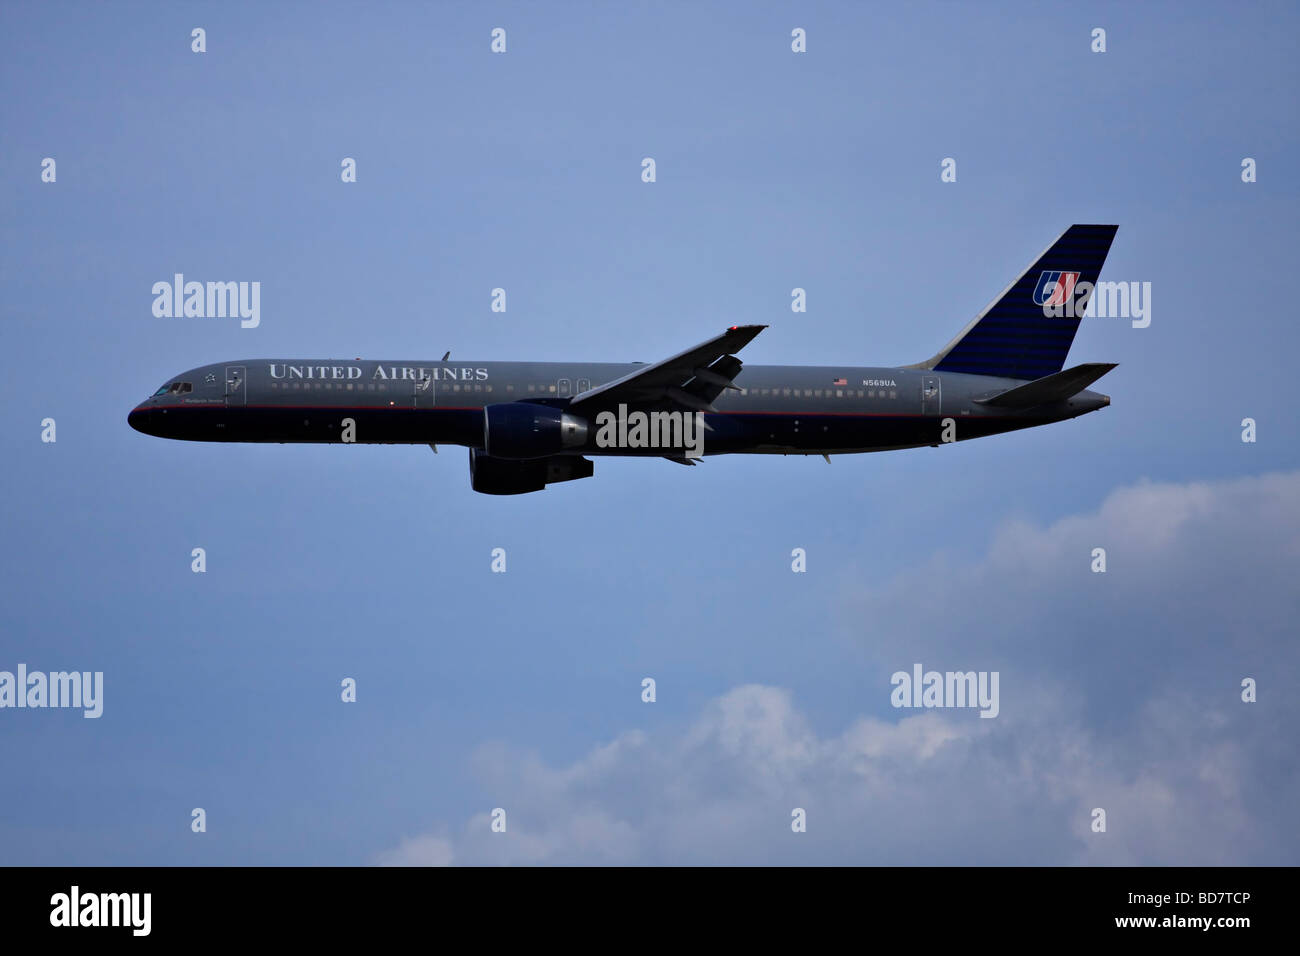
[{"x": 1055, "y": 288}]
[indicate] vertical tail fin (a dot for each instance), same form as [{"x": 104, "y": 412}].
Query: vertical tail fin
[{"x": 1012, "y": 337}]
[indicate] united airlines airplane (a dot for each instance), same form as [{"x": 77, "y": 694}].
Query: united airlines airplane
[{"x": 528, "y": 424}]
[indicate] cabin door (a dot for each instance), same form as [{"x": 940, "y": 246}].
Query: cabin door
[
  {"x": 931, "y": 398},
  {"x": 423, "y": 389},
  {"x": 236, "y": 388}
]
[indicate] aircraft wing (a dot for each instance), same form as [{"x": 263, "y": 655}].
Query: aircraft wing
[{"x": 692, "y": 378}]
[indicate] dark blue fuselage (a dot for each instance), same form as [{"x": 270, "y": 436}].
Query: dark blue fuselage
[{"x": 773, "y": 410}]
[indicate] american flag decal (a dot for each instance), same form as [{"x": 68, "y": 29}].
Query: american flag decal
[{"x": 840, "y": 381}]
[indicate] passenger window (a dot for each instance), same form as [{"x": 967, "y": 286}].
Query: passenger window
[{"x": 893, "y": 394}]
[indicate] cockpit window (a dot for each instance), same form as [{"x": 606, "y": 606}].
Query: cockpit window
[{"x": 175, "y": 388}]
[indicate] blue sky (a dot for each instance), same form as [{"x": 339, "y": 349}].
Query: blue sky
[{"x": 775, "y": 170}]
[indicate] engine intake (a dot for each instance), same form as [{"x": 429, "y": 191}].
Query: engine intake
[{"x": 523, "y": 430}]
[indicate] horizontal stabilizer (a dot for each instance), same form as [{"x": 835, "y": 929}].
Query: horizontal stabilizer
[{"x": 1051, "y": 388}]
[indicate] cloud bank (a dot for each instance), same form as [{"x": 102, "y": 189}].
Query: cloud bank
[{"x": 1119, "y": 690}]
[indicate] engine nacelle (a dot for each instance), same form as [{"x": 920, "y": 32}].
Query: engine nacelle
[
  {"x": 522, "y": 430},
  {"x": 508, "y": 476}
]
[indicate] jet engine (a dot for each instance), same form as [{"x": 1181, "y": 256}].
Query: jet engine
[
  {"x": 522, "y": 430},
  {"x": 507, "y": 476}
]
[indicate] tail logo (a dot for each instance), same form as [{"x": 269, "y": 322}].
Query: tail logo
[{"x": 1055, "y": 288}]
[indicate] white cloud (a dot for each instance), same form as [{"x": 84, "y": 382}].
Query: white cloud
[
  {"x": 1119, "y": 691},
  {"x": 418, "y": 851}
]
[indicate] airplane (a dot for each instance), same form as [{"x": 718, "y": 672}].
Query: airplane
[{"x": 529, "y": 424}]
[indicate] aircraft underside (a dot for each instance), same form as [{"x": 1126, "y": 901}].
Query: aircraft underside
[{"x": 725, "y": 433}]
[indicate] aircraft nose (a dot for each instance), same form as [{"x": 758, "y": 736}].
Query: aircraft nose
[{"x": 139, "y": 419}]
